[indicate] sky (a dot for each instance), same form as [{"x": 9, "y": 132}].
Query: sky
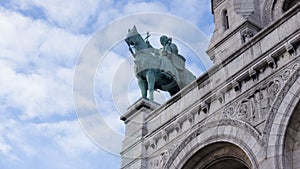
[{"x": 66, "y": 74}]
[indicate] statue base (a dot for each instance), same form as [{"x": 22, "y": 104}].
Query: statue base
[{"x": 133, "y": 151}]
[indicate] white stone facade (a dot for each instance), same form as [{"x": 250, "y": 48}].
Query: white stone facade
[{"x": 243, "y": 113}]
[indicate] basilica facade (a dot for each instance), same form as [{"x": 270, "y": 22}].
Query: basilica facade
[{"x": 244, "y": 112}]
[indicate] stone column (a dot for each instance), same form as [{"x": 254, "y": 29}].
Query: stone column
[{"x": 133, "y": 151}]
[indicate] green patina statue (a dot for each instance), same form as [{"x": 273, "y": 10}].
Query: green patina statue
[
  {"x": 162, "y": 69},
  {"x": 168, "y": 46}
]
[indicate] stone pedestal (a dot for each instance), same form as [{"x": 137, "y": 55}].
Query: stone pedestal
[{"x": 133, "y": 151}]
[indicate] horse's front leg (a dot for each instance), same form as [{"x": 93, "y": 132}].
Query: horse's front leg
[
  {"x": 150, "y": 75},
  {"x": 143, "y": 87}
]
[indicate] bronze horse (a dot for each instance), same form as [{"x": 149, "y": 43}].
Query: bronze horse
[{"x": 155, "y": 69}]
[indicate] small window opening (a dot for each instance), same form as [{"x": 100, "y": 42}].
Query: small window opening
[{"x": 225, "y": 20}]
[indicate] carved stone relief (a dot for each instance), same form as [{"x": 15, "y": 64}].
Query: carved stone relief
[
  {"x": 154, "y": 163},
  {"x": 254, "y": 107},
  {"x": 163, "y": 158},
  {"x": 247, "y": 34},
  {"x": 274, "y": 87},
  {"x": 294, "y": 75}
]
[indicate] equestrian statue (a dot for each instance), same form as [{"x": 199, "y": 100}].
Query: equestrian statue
[{"x": 157, "y": 69}]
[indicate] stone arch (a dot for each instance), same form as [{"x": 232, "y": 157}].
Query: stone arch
[
  {"x": 227, "y": 134},
  {"x": 289, "y": 4},
  {"x": 281, "y": 6},
  {"x": 281, "y": 119},
  {"x": 292, "y": 141},
  {"x": 267, "y": 12},
  {"x": 219, "y": 154},
  {"x": 273, "y": 9}
]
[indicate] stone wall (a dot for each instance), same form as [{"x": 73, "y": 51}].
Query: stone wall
[{"x": 245, "y": 101}]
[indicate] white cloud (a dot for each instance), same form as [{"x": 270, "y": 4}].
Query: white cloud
[
  {"x": 51, "y": 145},
  {"x": 72, "y": 15},
  {"x": 29, "y": 41},
  {"x": 36, "y": 95},
  {"x": 4, "y": 148},
  {"x": 142, "y": 7},
  {"x": 37, "y": 59},
  {"x": 11, "y": 140},
  {"x": 36, "y": 66},
  {"x": 68, "y": 135}
]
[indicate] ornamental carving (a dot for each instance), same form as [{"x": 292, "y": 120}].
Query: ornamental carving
[
  {"x": 286, "y": 74},
  {"x": 295, "y": 73},
  {"x": 251, "y": 110},
  {"x": 163, "y": 158},
  {"x": 253, "y": 107},
  {"x": 154, "y": 163},
  {"x": 244, "y": 111},
  {"x": 247, "y": 34},
  {"x": 274, "y": 87}
]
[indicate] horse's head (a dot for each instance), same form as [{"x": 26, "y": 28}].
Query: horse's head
[{"x": 135, "y": 40}]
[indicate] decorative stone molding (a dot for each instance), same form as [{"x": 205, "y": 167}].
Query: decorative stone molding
[
  {"x": 178, "y": 127},
  {"x": 154, "y": 163},
  {"x": 247, "y": 34},
  {"x": 165, "y": 135},
  {"x": 253, "y": 73},
  {"x": 281, "y": 92},
  {"x": 153, "y": 144},
  {"x": 204, "y": 107},
  {"x": 170, "y": 127},
  {"x": 182, "y": 118},
  {"x": 290, "y": 48},
  {"x": 244, "y": 110},
  {"x": 236, "y": 85},
  {"x": 271, "y": 61},
  {"x": 203, "y": 128},
  {"x": 163, "y": 158},
  {"x": 221, "y": 96},
  {"x": 274, "y": 87},
  {"x": 157, "y": 136},
  {"x": 253, "y": 107},
  {"x": 191, "y": 119}
]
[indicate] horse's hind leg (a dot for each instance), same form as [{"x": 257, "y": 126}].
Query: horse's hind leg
[
  {"x": 143, "y": 87},
  {"x": 150, "y": 75}
]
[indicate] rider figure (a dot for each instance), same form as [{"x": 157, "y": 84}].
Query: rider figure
[{"x": 168, "y": 46}]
